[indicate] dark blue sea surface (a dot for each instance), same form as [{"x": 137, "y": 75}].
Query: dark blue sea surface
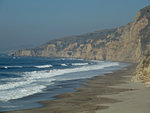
[{"x": 24, "y": 81}]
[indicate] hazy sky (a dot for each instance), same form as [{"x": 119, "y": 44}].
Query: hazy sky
[{"x": 28, "y": 23}]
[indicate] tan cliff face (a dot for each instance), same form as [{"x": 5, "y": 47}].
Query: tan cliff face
[
  {"x": 142, "y": 73},
  {"x": 120, "y": 44},
  {"x": 127, "y": 43}
]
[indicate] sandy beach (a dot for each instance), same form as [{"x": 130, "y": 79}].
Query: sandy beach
[{"x": 110, "y": 93}]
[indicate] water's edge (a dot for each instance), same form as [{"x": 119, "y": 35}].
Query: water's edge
[{"x": 41, "y": 104}]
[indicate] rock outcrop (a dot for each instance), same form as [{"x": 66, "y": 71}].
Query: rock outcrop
[
  {"x": 127, "y": 43},
  {"x": 142, "y": 72}
]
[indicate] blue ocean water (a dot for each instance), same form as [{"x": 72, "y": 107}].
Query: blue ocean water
[{"x": 24, "y": 81}]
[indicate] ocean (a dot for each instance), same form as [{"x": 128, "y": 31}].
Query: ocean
[{"x": 25, "y": 81}]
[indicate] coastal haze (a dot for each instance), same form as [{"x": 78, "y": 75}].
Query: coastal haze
[
  {"x": 29, "y": 23},
  {"x": 75, "y": 56},
  {"x": 128, "y": 43}
]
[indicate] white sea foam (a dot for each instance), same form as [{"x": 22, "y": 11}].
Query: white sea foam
[
  {"x": 79, "y": 64},
  {"x": 14, "y": 84},
  {"x": 44, "y": 66},
  {"x": 20, "y": 92},
  {"x": 63, "y": 64},
  {"x": 6, "y": 67},
  {"x": 36, "y": 75},
  {"x": 34, "y": 82},
  {"x": 25, "y": 87}
]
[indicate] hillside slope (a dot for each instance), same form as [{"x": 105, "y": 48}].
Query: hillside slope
[{"x": 126, "y": 43}]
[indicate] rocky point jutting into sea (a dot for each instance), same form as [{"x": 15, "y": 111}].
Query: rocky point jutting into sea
[{"x": 130, "y": 43}]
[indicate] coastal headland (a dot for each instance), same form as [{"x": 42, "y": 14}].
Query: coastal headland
[
  {"x": 111, "y": 93},
  {"x": 129, "y": 43}
]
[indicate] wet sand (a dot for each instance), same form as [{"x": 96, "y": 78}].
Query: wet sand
[{"x": 109, "y": 93}]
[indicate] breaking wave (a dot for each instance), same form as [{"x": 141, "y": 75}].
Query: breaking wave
[
  {"x": 44, "y": 66},
  {"x": 8, "y": 67},
  {"x": 63, "y": 64},
  {"x": 30, "y": 83},
  {"x": 79, "y": 64}
]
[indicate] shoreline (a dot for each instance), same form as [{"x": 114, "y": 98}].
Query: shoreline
[{"x": 99, "y": 95}]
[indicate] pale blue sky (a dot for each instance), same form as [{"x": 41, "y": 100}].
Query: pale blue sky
[{"x": 28, "y": 23}]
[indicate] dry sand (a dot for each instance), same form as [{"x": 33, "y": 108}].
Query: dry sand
[
  {"x": 136, "y": 101},
  {"x": 111, "y": 93}
]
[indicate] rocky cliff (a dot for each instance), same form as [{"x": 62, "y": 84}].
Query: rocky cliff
[
  {"x": 142, "y": 73},
  {"x": 143, "y": 69},
  {"x": 127, "y": 43}
]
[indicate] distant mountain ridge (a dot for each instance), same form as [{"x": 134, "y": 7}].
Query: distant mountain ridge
[{"x": 127, "y": 43}]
